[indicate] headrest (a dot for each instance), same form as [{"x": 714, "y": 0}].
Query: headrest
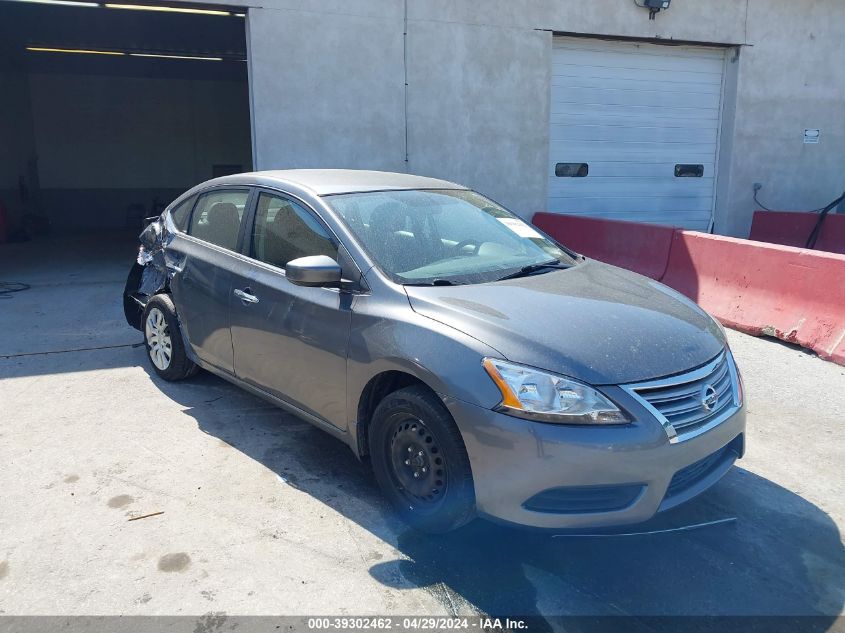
[{"x": 222, "y": 212}]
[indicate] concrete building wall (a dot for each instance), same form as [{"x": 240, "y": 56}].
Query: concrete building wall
[
  {"x": 787, "y": 77},
  {"x": 791, "y": 77},
  {"x": 327, "y": 85},
  {"x": 711, "y": 21},
  {"x": 477, "y": 118},
  {"x": 327, "y": 82}
]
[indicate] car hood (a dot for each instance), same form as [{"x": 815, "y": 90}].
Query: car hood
[{"x": 594, "y": 322}]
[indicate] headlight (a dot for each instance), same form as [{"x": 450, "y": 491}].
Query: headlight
[{"x": 539, "y": 395}]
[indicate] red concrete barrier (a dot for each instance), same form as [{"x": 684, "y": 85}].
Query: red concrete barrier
[
  {"x": 792, "y": 228},
  {"x": 643, "y": 248},
  {"x": 795, "y": 294}
]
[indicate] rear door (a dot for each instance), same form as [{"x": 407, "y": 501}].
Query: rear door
[
  {"x": 201, "y": 264},
  {"x": 289, "y": 340}
]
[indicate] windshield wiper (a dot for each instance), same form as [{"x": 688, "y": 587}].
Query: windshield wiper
[
  {"x": 435, "y": 282},
  {"x": 525, "y": 271}
]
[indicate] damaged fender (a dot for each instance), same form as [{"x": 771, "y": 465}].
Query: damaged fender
[{"x": 148, "y": 275}]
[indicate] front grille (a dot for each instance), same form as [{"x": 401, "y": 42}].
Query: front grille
[{"x": 679, "y": 401}]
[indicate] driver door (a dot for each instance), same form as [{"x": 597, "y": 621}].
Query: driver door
[{"x": 289, "y": 340}]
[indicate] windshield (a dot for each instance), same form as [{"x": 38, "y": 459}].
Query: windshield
[{"x": 444, "y": 236}]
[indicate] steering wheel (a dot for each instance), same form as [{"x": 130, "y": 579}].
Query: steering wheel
[{"x": 460, "y": 245}]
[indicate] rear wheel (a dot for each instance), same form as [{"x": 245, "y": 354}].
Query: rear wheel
[
  {"x": 163, "y": 339},
  {"x": 420, "y": 461}
]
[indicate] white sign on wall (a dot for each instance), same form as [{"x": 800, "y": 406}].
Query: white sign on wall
[{"x": 811, "y": 136}]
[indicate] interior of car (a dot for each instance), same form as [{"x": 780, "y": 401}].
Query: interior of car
[{"x": 284, "y": 232}]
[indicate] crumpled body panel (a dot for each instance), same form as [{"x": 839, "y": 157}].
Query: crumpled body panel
[{"x": 148, "y": 275}]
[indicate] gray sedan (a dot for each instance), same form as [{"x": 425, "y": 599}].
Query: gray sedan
[{"x": 478, "y": 365}]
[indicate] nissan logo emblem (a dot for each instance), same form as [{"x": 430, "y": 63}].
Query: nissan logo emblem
[{"x": 709, "y": 397}]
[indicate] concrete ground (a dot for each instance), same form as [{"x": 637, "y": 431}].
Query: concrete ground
[{"x": 264, "y": 514}]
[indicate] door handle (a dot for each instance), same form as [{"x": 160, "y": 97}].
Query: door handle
[{"x": 245, "y": 296}]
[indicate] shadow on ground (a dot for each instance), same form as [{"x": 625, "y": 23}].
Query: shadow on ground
[{"x": 782, "y": 556}]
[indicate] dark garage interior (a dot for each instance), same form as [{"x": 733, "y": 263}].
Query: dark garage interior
[{"x": 108, "y": 112}]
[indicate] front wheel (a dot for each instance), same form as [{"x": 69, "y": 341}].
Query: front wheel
[
  {"x": 420, "y": 461},
  {"x": 163, "y": 339}
]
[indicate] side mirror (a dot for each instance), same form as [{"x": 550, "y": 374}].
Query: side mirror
[{"x": 316, "y": 270}]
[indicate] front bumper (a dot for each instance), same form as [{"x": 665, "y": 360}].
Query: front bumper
[{"x": 513, "y": 460}]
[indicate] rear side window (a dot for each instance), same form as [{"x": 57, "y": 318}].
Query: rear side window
[
  {"x": 182, "y": 213},
  {"x": 217, "y": 217},
  {"x": 284, "y": 231}
]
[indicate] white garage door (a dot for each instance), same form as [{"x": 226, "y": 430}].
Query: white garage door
[{"x": 635, "y": 131}]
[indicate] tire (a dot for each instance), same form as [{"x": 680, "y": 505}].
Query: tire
[
  {"x": 412, "y": 432},
  {"x": 163, "y": 340}
]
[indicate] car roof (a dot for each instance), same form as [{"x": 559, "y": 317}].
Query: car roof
[{"x": 326, "y": 182}]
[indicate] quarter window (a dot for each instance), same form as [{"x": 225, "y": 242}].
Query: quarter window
[
  {"x": 284, "y": 231},
  {"x": 182, "y": 213},
  {"x": 217, "y": 217}
]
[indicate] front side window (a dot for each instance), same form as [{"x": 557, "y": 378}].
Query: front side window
[
  {"x": 444, "y": 236},
  {"x": 217, "y": 217},
  {"x": 284, "y": 230}
]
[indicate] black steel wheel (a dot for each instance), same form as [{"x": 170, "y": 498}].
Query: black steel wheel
[
  {"x": 417, "y": 465},
  {"x": 420, "y": 461}
]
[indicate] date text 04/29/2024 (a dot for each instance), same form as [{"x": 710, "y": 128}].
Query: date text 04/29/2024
[{"x": 423, "y": 623}]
